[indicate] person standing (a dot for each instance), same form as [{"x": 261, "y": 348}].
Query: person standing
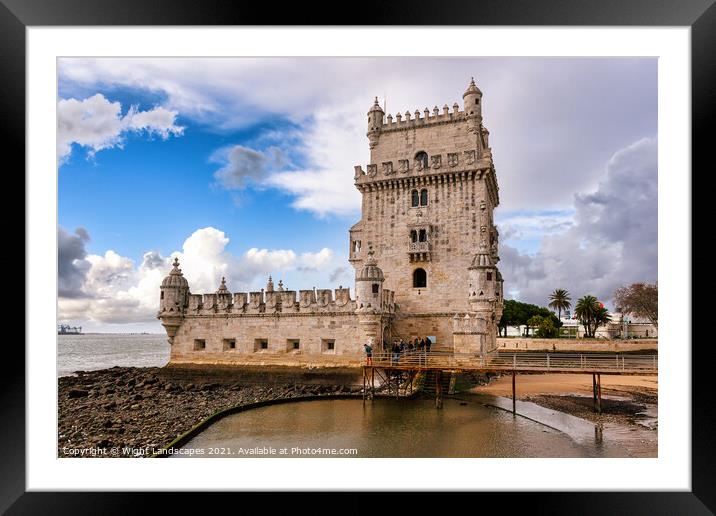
[
  {"x": 396, "y": 351},
  {"x": 368, "y": 352}
]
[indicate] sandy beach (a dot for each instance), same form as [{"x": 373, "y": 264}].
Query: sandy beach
[{"x": 534, "y": 384}]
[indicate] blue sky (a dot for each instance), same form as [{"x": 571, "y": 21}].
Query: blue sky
[{"x": 244, "y": 168}]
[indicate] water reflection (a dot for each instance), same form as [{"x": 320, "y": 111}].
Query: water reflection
[{"x": 392, "y": 428}]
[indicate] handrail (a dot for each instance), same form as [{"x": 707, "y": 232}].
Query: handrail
[{"x": 521, "y": 361}]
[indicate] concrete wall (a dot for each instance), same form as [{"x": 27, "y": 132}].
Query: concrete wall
[{"x": 577, "y": 345}]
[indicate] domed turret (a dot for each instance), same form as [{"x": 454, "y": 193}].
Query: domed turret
[
  {"x": 369, "y": 284},
  {"x": 175, "y": 277},
  {"x": 482, "y": 278},
  {"x": 173, "y": 291},
  {"x": 472, "y": 100},
  {"x": 375, "y": 123}
]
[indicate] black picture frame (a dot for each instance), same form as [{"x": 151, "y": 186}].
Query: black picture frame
[{"x": 700, "y": 15}]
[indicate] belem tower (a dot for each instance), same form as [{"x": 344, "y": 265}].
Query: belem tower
[{"x": 425, "y": 254}]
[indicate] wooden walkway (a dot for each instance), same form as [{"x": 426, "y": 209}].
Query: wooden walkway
[{"x": 404, "y": 368}]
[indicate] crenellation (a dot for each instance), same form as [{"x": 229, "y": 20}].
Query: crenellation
[{"x": 240, "y": 301}]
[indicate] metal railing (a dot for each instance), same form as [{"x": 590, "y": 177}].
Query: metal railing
[{"x": 520, "y": 361}]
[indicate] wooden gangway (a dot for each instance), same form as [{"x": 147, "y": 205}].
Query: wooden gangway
[{"x": 406, "y": 366}]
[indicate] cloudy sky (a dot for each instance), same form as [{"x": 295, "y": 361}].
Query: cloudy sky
[{"x": 244, "y": 168}]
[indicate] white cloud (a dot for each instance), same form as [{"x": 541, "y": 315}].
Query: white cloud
[
  {"x": 116, "y": 291},
  {"x": 97, "y": 124},
  {"x": 553, "y": 122},
  {"x": 613, "y": 240}
]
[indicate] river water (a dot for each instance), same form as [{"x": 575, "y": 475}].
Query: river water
[
  {"x": 390, "y": 428},
  {"x": 94, "y": 351}
]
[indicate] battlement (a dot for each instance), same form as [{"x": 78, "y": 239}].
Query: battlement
[
  {"x": 440, "y": 168},
  {"x": 409, "y": 120},
  {"x": 452, "y": 161},
  {"x": 313, "y": 301}
]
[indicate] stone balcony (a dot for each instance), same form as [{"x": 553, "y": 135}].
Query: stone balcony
[
  {"x": 419, "y": 247},
  {"x": 419, "y": 251}
]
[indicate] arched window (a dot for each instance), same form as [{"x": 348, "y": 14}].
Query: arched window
[
  {"x": 423, "y": 236},
  {"x": 413, "y": 238},
  {"x": 415, "y": 196},
  {"x": 423, "y": 197},
  {"x": 420, "y": 278},
  {"x": 422, "y": 156}
]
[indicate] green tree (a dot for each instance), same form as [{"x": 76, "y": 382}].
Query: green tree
[
  {"x": 515, "y": 314},
  {"x": 591, "y": 314},
  {"x": 533, "y": 322},
  {"x": 546, "y": 329},
  {"x": 559, "y": 300}
]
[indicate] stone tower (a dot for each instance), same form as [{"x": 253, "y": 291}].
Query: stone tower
[{"x": 428, "y": 196}]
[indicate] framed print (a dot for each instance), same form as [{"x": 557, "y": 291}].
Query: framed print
[{"x": 434, "y": 245}]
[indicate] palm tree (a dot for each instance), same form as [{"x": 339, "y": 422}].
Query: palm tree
[
  {"x": 559, "y": 300},
  {"x": 585, "y": 310},
  {"x": 602, "y": 317},
  {"x": 592, "y": 314}
]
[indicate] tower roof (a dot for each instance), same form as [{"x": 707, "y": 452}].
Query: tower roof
[
  {"x": 370, "y": 270},
  {"x": 472, "y": 88},
  {"x": 175, "y": 278},
  {"x": 222, "y": 288},
  {"x": 375, "y": 107}
]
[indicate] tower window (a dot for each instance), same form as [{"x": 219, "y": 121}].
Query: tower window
[
  {"x": 423, "y": 236},
  {"x": 161, "y": 295},
  {"x": 375, "y": 288},
  {"x": 415, "y": 198},
  {"x": 489, "y": 276},
  {"x": 423, "y": 197},
  {"x": 420, "y": 278},
  {"x": 422, "y": 157},
  {"x": 413, "y": 237}
]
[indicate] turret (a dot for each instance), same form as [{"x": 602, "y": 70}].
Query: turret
[
  {"x": 174, "y": 292},
  {"x": 375, "y": 123},
  {"x": 369, "y": 285},
  {"x": 483, "y": 284},
  {"x": 472, "y": 101}
]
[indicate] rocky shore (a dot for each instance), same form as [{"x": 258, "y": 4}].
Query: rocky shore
[{"x": 133, "y": 412}]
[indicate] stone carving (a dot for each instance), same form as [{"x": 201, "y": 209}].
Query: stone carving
[
  {"x": 470, "y": 157},
  {"x": 387, "y": 168},
  {"x": 358, "y": 172},
  {"x": 404, "y": 165},
  {"x": 372, "y": 170},
  {"x": 452, "y": 159},
  {"x": 436, "y": 161}
]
